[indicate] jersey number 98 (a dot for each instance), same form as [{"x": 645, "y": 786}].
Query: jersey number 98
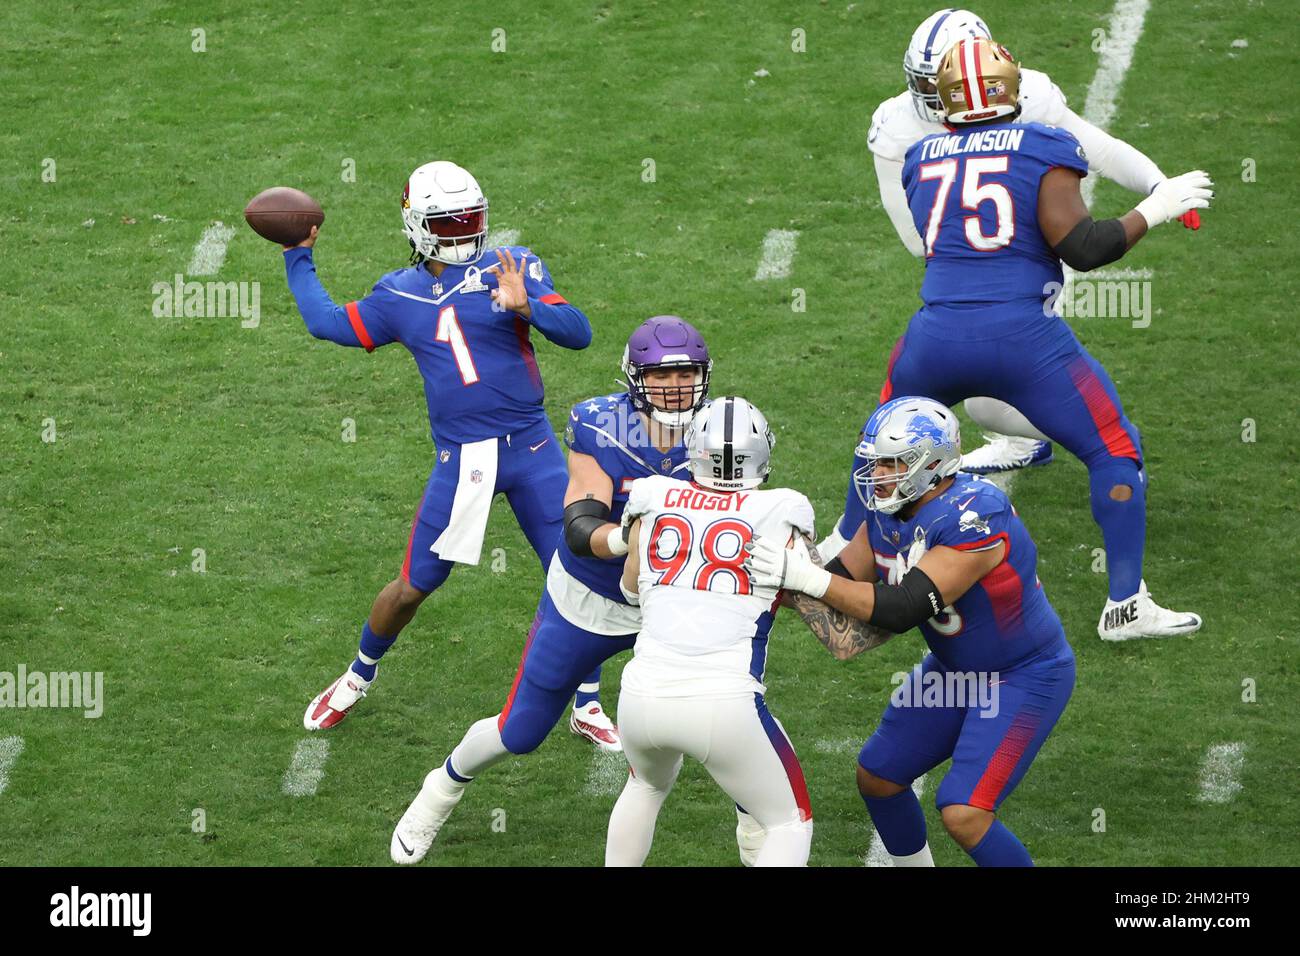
[{"x": 721, "y": 546}]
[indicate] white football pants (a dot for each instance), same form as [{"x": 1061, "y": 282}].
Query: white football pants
[{"x": 743, "y": 748}]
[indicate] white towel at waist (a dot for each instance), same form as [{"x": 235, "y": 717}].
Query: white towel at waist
[{"x": 462, "y": 539}]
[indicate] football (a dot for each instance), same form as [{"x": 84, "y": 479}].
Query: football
[{"x": 283, "y": 214}]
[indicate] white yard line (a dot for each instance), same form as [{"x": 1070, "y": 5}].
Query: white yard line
[
  {"x": 606, "y": 775},
  {"x": 210, "y": 250},
  {"x": 502, "y": 237},
  {"x": 1122, "y": 274},
  {"x": 877, "y": 855},
  {"x": 778, "y": 254},
  {"x": 1221, "y": 772},
  {"x": 10, "y": 748},
  {"x": 307, "y": 767},
  {"x": 844, "y": 745},
  {"x": 1122, "y": 35}
]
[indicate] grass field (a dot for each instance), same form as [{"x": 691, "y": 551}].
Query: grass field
[{"x": 175, "y": 434}]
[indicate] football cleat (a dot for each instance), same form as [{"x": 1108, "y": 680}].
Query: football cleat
[
  {"x": 1006, "y": 453},
  {"x": 591, "y": 722},
  {"x": 1139, "y": 616},
  {"x": 750, "y": 837},
  {"x": 419, "y": 826},
  {"x": 333, "y": 703}
]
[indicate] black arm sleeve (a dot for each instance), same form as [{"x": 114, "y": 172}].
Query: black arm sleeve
[
  {"x": 901, "y": 607},
  {"x": 1091, "y": 244},
  {"x": 580, "y": 519},
  {"x": 836, "y": 566}
]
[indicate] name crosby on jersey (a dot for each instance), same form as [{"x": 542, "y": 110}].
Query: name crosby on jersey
[
  {"x": 704, "y": 500},
  {"x": 979, "y": 141}
]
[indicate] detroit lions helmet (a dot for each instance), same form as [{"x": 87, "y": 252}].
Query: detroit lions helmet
[
  {"x": 444, "y": 214},
  {"x": 932, "y": 39},
  {"x": 920, "y": 433},
  {"x": 729, "y": 445}
]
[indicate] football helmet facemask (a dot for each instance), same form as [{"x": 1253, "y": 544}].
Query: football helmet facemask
[
  {"x": 918, "y": 432},
  {"x": 445, "y": 214}
]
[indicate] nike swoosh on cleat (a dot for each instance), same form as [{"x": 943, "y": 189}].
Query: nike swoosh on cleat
[{"x": 409, "y": 851}]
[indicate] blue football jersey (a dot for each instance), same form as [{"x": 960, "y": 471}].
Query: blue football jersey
[
  {"x": 480, "y": 373},
  {"x": 610, "y": 430},
  {"x": 1004, "y": 619},
  {"x": 974, "y": 199}
]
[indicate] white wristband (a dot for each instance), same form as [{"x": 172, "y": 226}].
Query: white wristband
[
  {"x": 615, "y": 542},
  {"x": 817, "y": 582},
  {"x": 1153, "y": 210}
]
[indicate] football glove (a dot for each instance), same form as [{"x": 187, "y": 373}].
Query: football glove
[
  {"x": 771, "y": 565},
  {"x": 1173, "y": 198}
]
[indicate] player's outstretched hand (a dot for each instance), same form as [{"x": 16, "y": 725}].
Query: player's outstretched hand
[
  {"x": 771, "y": 565},
  {"x": 1175, "y": 197},
  {"x": 309, "y": 241},
  {"x": 510, "y": 294}
]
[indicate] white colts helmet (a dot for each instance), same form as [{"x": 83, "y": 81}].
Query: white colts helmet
[
  {"x": 919, "y": 432},
  {"x": 444, "y": 214},
  {"x": 930, "y": 42},
  {"x": 729, "y": 445}
]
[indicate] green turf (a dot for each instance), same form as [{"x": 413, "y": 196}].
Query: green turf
[{"x": 176, "y": 434}]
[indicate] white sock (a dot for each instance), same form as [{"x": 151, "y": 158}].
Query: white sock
[
  {"x": 997, "y": 416},
  {"x": 480, "y": 748},
  {"x": 921, "y": 857}
]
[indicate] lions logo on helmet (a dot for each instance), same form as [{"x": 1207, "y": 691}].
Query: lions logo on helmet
[{"x": 919, "y": 433}]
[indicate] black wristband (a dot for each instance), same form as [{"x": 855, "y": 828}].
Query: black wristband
[
  {"x": 901, "y": 607},
  {"x": 1091, "y": 244},
  {"x": 580, "y": 519},
  {"x": 836, "y": 566}
]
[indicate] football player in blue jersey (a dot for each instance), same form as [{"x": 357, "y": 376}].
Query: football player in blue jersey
[
  {"x": 915, "y": 113},
  {"x": 466, "y": 317},
  {"x": 998, "y": 207},
  {"x": 584, "y": 616},
  {"x": 945, "y": 552}
]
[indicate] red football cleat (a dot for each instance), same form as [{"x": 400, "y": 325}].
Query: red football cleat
[{"x": 333, "y": 703}]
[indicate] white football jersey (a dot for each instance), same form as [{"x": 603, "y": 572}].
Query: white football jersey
[
  {"x": 895, "y": 125},
  {"x": 704, "y": 623}
]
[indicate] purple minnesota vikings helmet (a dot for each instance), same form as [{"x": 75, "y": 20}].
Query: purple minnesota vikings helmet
[{"x": 666, "y": 341}]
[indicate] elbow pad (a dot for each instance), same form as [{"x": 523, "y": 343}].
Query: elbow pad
[
  {"x": 1091, "y": 244},
  {"x": 580, "y": 519},
  {"x": 901, "y": 607}
]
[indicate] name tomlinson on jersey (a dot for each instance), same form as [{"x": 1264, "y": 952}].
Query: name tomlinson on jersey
[{"x": 980, "y": 141}]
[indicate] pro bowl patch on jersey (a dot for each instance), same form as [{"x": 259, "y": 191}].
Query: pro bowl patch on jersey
[{"x": 970, "y": 520}]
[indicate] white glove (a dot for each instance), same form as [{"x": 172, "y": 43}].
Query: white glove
[
  {"x": 616, "y": 543},
  {"x": 772, "y": 566},
  {"x": 1172, "y": 198}
]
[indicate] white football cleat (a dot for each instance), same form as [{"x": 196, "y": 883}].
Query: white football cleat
[
  {"x": 420, "y": 824},
  {"x": 750, "y": 837},
  {"x": 333, "y": 703},
  {"x": 1006, "y": 453},
  {"x": 1139, "y": 616},
  {"x": 591, "y": 722}
]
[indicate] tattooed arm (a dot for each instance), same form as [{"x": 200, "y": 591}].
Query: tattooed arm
[{"x": 842, "y": 635}]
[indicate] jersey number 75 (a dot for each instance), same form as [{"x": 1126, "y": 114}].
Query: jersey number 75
[{"x": 973, "y": 193}]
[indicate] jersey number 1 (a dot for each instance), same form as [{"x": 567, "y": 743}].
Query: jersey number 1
[
  {"x": 973, "y": 193},
  {"x": 449, "y": 332}
]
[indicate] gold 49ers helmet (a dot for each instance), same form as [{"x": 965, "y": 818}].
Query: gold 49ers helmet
[{"x": 978, "y": 79}]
